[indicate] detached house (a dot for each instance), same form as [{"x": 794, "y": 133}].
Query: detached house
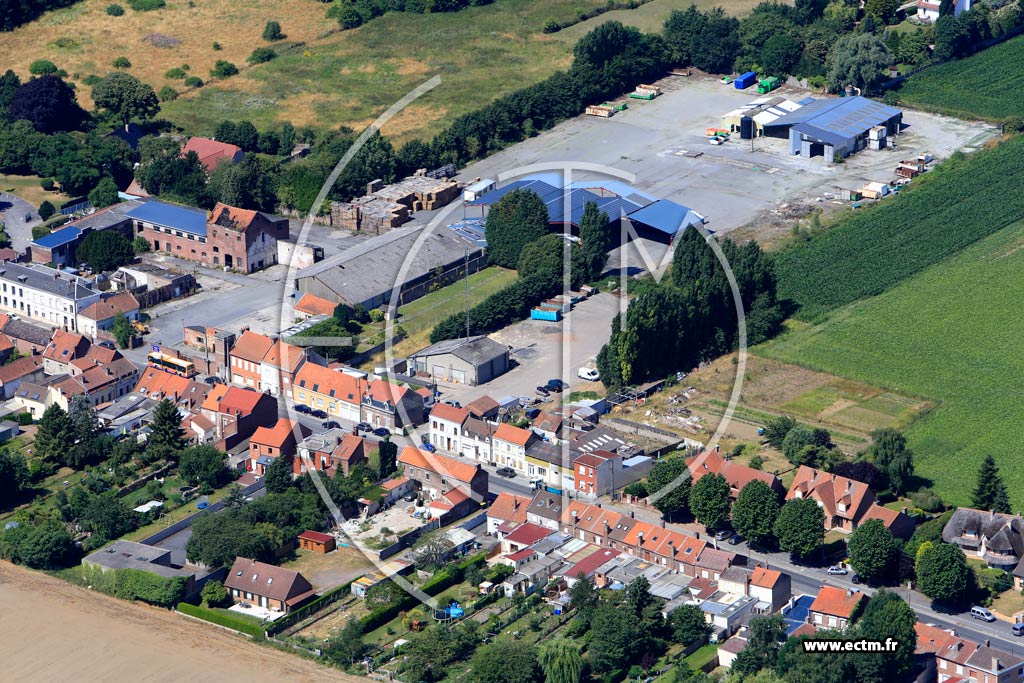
[
  {"x": 237, "y": 413},
  {"x": 736, "y": 474},
  {"x": 844, "y": 501},
  {"x": 453, "y": 486},
  {"x": 834, "y": 607},
  {"x": 994, "y": 537},
  {"x": 265, "y": 585},
  {"x": 506, "y": 513}
]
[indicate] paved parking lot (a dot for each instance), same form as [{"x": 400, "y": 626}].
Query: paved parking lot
[{"x": 546, "y": 350}]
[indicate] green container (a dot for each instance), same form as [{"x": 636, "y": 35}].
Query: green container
[{"x": 638, "y": 96}]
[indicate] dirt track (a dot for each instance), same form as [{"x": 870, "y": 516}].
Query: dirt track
[{"x": 53, "y": 631}]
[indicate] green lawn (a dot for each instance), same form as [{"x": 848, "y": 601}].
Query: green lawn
[
  {"x": 702, "y": 656},
  {"x": 425, "y": 313},
  {"x": 350, "y": 77},
  {"x": 173, "y": 516},
  {"x": 951, "y": 334},
  {"x": 987, "y": 85}
]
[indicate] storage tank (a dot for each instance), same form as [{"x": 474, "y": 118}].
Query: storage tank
[{"x": 746, "y": 128}]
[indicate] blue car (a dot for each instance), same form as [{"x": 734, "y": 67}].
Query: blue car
[{"x": 429, "y": 448}]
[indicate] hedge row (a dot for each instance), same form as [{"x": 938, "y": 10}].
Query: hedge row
[
  {"x": 309, "y": 608},
  {"x": 221, "y": 619}
]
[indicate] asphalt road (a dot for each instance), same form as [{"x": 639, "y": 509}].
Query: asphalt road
[{"x": 13, "y": 211}]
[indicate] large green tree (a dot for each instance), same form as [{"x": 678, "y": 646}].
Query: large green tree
[
  {"x": 990, "y": 492},
  {"x": 560, "y": 660},
  {"x": 166, "y": 438},
  {"x": 105, "y": 250},
  {"x": 616, "y": 638},
  {"x": 47, "y": 546},
  {"x": 800, "y": 527},
  {"x": 278, "y": 476},
  {"x": 204, "y": 466},
  {"x": 763, "y": 644},
  {"x": 515, "y": 220},
  {"x": 674, "y": 500},
  {"x": 709, "y": 501},
  {"x": 48, "y": 103},
  {"x": 126, "y": 97},
  {"x": 506, "y": 661},
  {"x": 14, "y": 478},
  {"x": 755, "y": 511},
  {"x": 688, "y": 624},
  {"x": 942, "y": 573},
  {"x": 55, "y": 434},
  {"x": 596, "y": 240},
  {"x": 583, "y": 598},
  {"x": 874, "y": 552},
  {"x": 858, "y": 59},
  {"x": 887, "y": 616},
  {"x": 776, "y": 429},
  {"x": 891, "y": 455},
  {"x": 217, "y": 539}
]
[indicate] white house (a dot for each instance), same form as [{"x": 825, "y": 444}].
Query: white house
[{"x": 929, "y": 9}]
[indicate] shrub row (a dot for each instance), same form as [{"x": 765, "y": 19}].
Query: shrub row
[
  {"x": 221, "y": 619},
  {"x": 309, "y": 608}
]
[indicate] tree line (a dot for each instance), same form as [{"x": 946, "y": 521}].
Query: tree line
[{"x": 691, "y": 316}]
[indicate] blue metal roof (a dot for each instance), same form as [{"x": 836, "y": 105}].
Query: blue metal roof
[
  {"x": 545, "y": 190},
  {"x": 58, "y": 239},
  {"x": 797, "y": 615},
  {"x": 171, "y": 216},
  {"x": 828, "y": 137},
  {"x": 556, "y": 200},
  {"x": 472, "y": 230},
  {"x": 846, "y": 117},
  {"x": 665, "y": 215}
]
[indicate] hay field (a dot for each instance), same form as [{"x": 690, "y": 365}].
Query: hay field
[{"x": 83, "y": 39}]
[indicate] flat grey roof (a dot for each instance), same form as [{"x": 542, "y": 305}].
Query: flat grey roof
[
  {"x": 131, "y": 555},
  {"x": 474, "y": 350},
  {"x": 45, "y": 279}
]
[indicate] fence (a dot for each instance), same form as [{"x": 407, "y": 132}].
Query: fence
[
  {"x": 142, "y": 481},
  {"x": 406, "y": 540},
  {"x": 308, "y": 610},
  {"x": 164, "y": 534}
]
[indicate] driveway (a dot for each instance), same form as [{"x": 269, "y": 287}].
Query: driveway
[{"x": 13, "y": 210}]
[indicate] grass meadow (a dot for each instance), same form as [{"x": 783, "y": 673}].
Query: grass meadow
[
  {"x": 950, "y": 334},
  {"x": 987, "y": 85}
]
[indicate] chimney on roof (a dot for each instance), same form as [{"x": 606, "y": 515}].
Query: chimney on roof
[
  {"x": 632, "y": 514},
  {"x": 849, "y": 592},
  {"x": 575, "y": 517},
  {"x": 996, "y": 664},
  {"x": 662, "y": 522},
  {"x": 987, "y": 642},
  {"x": 991, "y": 514},
  {"x": 515, "y": 502},
  {"x": 905, "y": 511}
]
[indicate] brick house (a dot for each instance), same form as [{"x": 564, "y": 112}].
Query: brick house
[
  {"x": 833, "y": 607},
  {"x": 238, "y": 413},
  {"x": 63, "y": 348},
  {"x": 977, "y": 662},
  {"x": 269, "y": 443},
  {"x": 506, "y": 513},
  {"x": 265, "y": 585},
  {"x": 100, "y": 315},
  {"x": 391, "y": 406},
  {"x": 509, "y": 446},
  {"x": 246, "y": 358},
  {"x": 330, "y": 452},
  {"x": 451, "y": 485},
  {"x": 594, "y": 472},
  {"x": 844, "y": 501},
  {"x": 736, "y": 474},
  {"x": 337, "y": 393}
]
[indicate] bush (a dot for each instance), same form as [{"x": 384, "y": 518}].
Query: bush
[
  {"x": 272, "y": 31},
  {"x": 217, "y": 46},
  {"x": 91, "y": 80},
  {"x": 928, "y": 500},
  {"x": 122, "y": 63},
  {"x": 24, "y": 419},
  {"x": 46, "y": 210},
  {"x": 42, "y": 67},
  {"x": 214, "y": 593},
  {"x": 222, "y": 619},
  {"x": 140, "y": 245},
  {"x": 223, "y": 69},
  {"x": 115, "y": 10},
  {"x": 47, "y": 184},
  {"x": 194, "y": 82},
  {"x": 146, "y": 5},
  {"x": 552, "y": 26},
  {"x": 376, "y": 315},
  {"x": 175, "y": 74},
  {"x": 260, "y": 55},
  {"x": 167, "y": 94}
]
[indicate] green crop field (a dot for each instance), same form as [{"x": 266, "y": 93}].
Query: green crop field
[
  {"x": 869, "y": 251},
  {"x": 951, "y": 334},
  {"x": 987, "y": 85}
]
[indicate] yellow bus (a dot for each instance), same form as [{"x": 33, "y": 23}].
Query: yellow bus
[{"x": 178, "y": 366}]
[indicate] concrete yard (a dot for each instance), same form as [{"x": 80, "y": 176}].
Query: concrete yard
[{"x": 728, "y": 184}]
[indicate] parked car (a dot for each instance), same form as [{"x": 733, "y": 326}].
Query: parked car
[
  {"x": 532, "y": 413},
  {"x": 855, "y": 578},
  {"x": 319, "y": 414},
  {"x": 1018, "y": 628},
  {"x": 331, "y": 424},
  {"x": 304, "y": 409},
  {"x": 382, "y": 432},
  {"x": 429, "y": 448},
  {"x": 723, "y": 534},
  {"x": 736, "y": 539},
  {"x": 589, "y": 374},
  {"x": 982, "y": 613},
  {"x": 556, "y": 385},
  {"x": 364, "y": 427},
  {"x": 106, "y": 344},
  {"x": 453, "y": 404},
  {"x": 543, "y": 391},
  {"x": 837, "y": 570},
  {"x": 506, "y": 472}
]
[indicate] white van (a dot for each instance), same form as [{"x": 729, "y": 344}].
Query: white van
[
  {"x": 982, "y": 613},
  {"x": 589, "y": 374}
]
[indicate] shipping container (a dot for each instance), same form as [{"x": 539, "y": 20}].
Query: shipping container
[
  {"x": 544, "y": 314},
  {"x": 641, "y": 96},
  {"x": 600, "y": 110},
  {"x": 745, "y": 81},
  {"x": 766, "y": 85}
]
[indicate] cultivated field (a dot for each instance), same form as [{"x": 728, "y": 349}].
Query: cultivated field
[
  {"x": 988, "y": 85},
  {"x": 54, "y": 631},
  {"x": 350, "y": 77},
  {"x": 950, "y": 334}
]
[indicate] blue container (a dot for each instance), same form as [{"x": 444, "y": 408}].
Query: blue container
[{"x": 746, "y": 80}]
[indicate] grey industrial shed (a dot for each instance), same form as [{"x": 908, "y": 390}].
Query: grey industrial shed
[{"x": 471, "y": 360}]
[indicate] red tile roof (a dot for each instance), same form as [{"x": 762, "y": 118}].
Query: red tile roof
[
  {"x": 736, "y": 474},
  {"x": 65, "y": 346},
  {"x": 350, "y": 446},
  {"x": 252, "y": 346},
  {"x": 157, "y": 383},
  {"x": 516, "y": 435},
  {"x": 588, "y": 565},
  {"x": 268, "y": 580},
  {"x": 384, "y": 391},
  {"x": 285, "y": 356},
  {"x": 482, "y": 406},
  {"x": 210, "y": 152},
  {"x": 836, "y": 602},
  {"x": 20, "y": 367},
  {"x": 443, "y": 411},
  {"x": 932, "y": 639},
  {"x": 331, "y": 383},
  {"x": 509, "y": 507},
  {"x": 311, "y": 304},
  {"x": 392, "y": 484},
  {"x": 523, "y": 554},
  {"x": 449, "y": 467},
  {"x": 528, "y": 534},
  {"x": 831, "y": 491},
  {"x": 106, "y": 309},
  {"x": 764, "y": 578},
  {"x": 594, "y": 458},
  {"x": 240, "y": 401},
  {"x": 278, "y": 435}
]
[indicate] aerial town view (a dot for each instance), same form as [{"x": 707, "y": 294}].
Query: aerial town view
[{"x": 512, "y": 341}]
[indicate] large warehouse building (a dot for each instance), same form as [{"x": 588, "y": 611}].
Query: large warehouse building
[
  {"x": 660, "y": 220},
  {"x": 841, "y": 126}
]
